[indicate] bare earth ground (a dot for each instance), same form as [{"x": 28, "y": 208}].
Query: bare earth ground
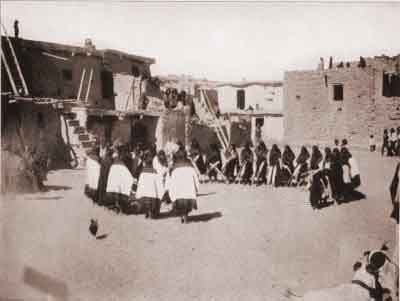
[{"x": 244, "y": 243}]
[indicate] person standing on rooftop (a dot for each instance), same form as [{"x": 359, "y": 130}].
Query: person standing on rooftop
[{"x": 16, "y": 29}]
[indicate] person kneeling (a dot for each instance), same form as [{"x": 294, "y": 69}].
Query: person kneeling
[
  {"x": 351, "y": 174},
  {"x": 183, "y": 186},
  {"x": 150, "y": 188}
]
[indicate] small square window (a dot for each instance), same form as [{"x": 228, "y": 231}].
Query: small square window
[
  {"x": 338, "y": 92},
  {"x": 67, "y": 74}
]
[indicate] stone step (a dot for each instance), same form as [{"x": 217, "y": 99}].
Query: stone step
[
  {"x": 84, "y": 137},
  {"x": 88, "y": 144},
  {"x": 69, "y": 116},
  {"x": 73, "y": 122},
  {"x": 79, "y": 130}
]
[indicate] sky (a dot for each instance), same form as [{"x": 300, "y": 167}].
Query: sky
[{"x": 225, "y": 41}]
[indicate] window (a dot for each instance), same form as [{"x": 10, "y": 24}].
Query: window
[
  {"x": 259, "y": 121},
  {"x": 338, "y": 92},
  {"x": 240, "y": 97},
  {"x": 135, "y": 71},
  {"x": 40, "y": 120},
  {"x": 390, "y": 85},
  {"x": 107, "y": 84},
  {"x": 67, "y": 74}
]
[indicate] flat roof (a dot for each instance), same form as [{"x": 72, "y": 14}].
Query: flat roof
[{"x": 78, "y": 49}]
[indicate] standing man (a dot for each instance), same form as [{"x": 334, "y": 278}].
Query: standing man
[{"x": 16, "y": 29}]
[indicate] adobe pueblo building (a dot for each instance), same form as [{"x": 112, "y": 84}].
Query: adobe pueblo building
[
  {"x": 68, "y": 99},
  {"x": 352, "y": 100}
]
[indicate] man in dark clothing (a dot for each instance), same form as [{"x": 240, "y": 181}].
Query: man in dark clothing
[
  {"x": 394, "y": 194},
  {"x": 246, "y": 170},
  {"x": 385, "y": 143},
  {"x": 16, "y": 29}
]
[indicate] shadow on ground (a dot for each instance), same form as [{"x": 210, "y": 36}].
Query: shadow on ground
[
  {"x": 46, "y": 198},
  {"x": 48, "y": 188},
  {"x": 205, "y": 217},
  {"x": 45, "y": 284}
]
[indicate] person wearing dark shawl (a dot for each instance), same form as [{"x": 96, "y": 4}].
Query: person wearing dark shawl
[
  {"x": 274, "y": 166},
  {"x": 319, "y": 182},
  {"x": 287, "y": 167},
  {"x": 301, "y": 168},
  {"x": 261, "y": 164},
  {"x": 398, "y": 142},
  {"x": 232, "y": 164},
  {"x": 196, "y": 156},
  {"x": 213, "y": 162},
  {"x": 385, "y": 142},
  {"x": 105, "y": 165},
  {"x": 316, "y": 158},
  {"x": 246, "y": 162},
  {"x": 288, "y": 157},
  {"x": 395, "y": 194},
  {"x": 336, "y": 175}
]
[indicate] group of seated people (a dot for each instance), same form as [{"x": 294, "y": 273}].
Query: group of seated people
[
  {"x": 391, "y": 142},
  {"x": 140, "y": 181},
  {"x": 329, "y": 175}
]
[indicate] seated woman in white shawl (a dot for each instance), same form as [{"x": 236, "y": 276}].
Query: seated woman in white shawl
[
  {"x": 92, "y": 174},
  {"x": 183, "y": 186},
  {"x": 119, "y": 184}
]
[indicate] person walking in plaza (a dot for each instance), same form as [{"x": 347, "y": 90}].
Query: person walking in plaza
[
  {"x": 150, "y": 188},
  {"x": 92, "y": 174},
  {"x": 183, "y": 186},
  {"x": 119, "y": 184}
]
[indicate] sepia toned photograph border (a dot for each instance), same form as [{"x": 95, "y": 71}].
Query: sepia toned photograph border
[{"x": 200, "y": 150}]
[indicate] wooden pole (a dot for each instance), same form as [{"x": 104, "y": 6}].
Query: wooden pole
[
  {"x": 78, "y": 98},
  {"x": 3, "y": 57},
  {"x": 16, "y": 62},
  {"x": 89, "y": 85}
]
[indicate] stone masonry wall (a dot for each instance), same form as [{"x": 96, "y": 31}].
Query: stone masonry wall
[{"x": 311, "y": 114}]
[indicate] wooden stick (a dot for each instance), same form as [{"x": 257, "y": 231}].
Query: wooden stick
[
  {"x": 89, "y": 85},
  {"x": 3, "y": 57},
  {"x": 78, "y": 98},
  {"x": 16, "y": 62}
]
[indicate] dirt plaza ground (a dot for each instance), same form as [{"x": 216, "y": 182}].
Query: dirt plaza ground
[{"x": 244, "y": 243}]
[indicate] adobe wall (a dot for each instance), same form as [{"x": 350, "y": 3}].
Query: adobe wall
[
  {"x": 120, "y": 64},
  {"x": 172, "y": 127},
  {"x": 35, "y": 131},
  {"x": 44, "y": 78},
  {"x": 204, "y": 135},
  {"x": 311, "y": 114}
]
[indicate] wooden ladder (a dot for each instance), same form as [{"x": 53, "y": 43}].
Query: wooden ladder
[
  {"x": 89, "y": 85},
  {"x": 13, "y": 67},
  {"x": 216, "y": 123}
]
